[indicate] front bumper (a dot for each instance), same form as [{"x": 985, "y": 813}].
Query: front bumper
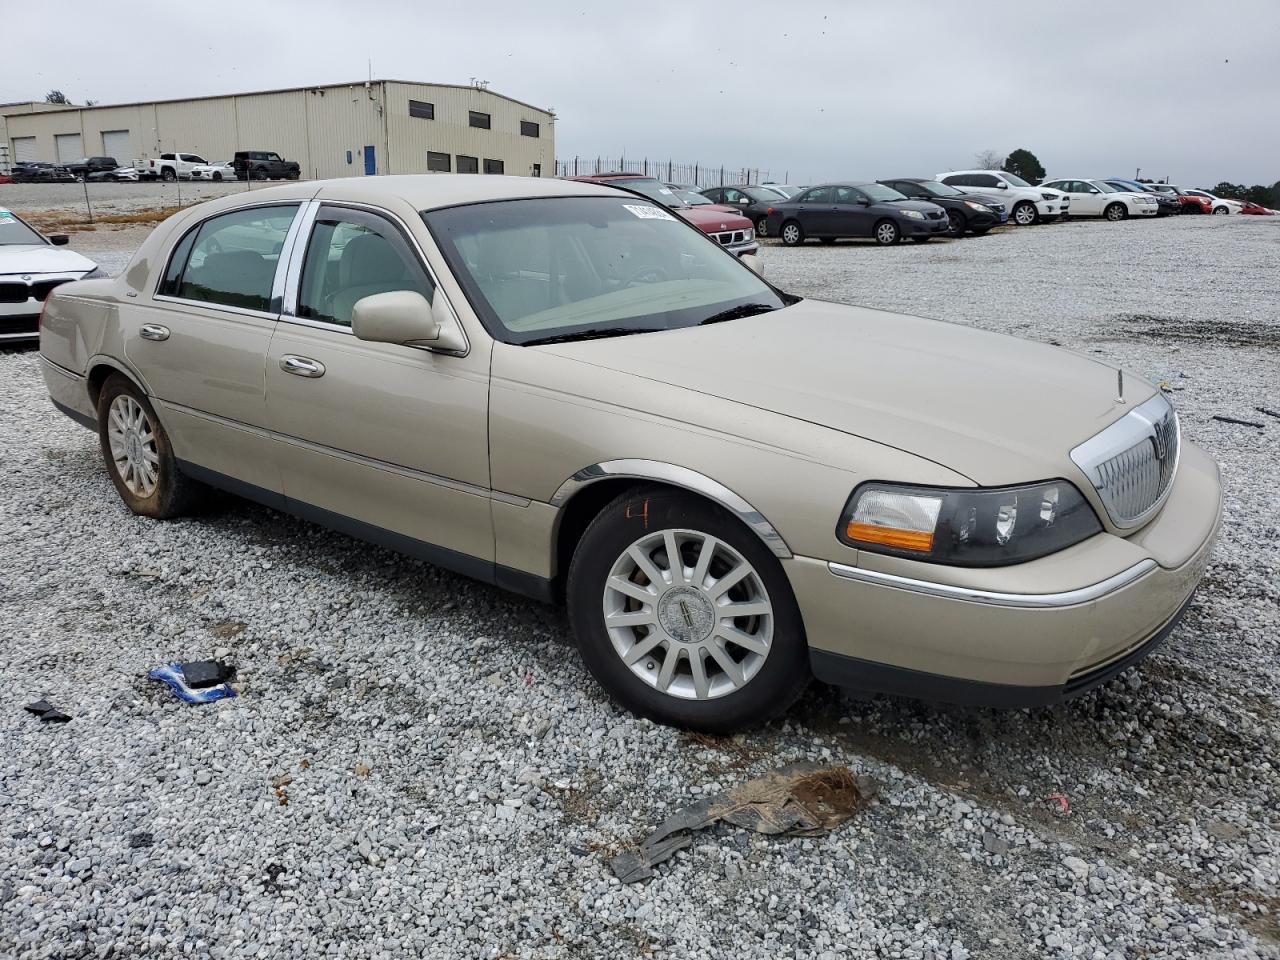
[
  {"x": 20, "y": 308},
  {"x": 742, "y": 249},
  {"x": 1028, "y": 635},
  {"x": 1052, "y": 209},
  {"x": 924, "y": 228}
]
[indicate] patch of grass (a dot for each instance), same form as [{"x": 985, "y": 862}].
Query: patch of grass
[{"x": 64, "y": 221}]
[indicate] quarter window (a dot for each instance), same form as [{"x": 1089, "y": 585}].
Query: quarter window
[
  {"x": 231, "y": 260},
  {"x": 353, "y": 255},
  {"x": 493, "y": 166},
  {"x": 422, "y": 110},
  {"x": 529, "y": 129},
  {"x": 437, "y": 162},
  {"x": 468, "y": 164},
  {"x": 478, "y": 119}
]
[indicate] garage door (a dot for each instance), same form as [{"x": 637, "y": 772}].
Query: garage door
[
  {"x": 68, "y": 147},
  {"x": 24, "y": 149},
  {"x": 115, "y": 143}
]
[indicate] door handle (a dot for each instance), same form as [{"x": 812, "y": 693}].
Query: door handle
[
  {"x": 301, "y": 366},
  {"x": 153, "y": 331}
]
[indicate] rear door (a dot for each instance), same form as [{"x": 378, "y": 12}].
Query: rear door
[
  {"x": 815, "y": 212},
  {"x": 200, "y": 341},
  {"x": 382, "y": 440}
]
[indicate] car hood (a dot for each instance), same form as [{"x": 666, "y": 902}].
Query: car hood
[
  {"x": 41, "y": 258},
  {"x": 924, "y": 206},
  {"x": 997, "y": 409},
  {"x": 711, "y": 221}
]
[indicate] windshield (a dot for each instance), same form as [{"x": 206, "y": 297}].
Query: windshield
[
  {"x": 582, "y": 267},
  {"x": 650, "y": 188},
  {"x": 1014, "y": 180},
  {"x": 689, "y": 198},
  {"x": 1106, "y": 187},
  {"x": 878, "y": 191},
  {"x": 14, "y": 231}
]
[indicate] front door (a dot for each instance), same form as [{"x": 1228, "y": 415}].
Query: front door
[
  {"x": 385, "y": 441},
  {"x": 852, "y": 216},
  {"x": 370, "y": 162},
  {"x": 201, "y": 340}
]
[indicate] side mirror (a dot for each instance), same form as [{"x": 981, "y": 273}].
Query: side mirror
[
  {"x": 406, "y": 317},
  {"x": 753, "y": 262},
  {"x": 863, "y": 202},
  {"x": 59, "y": 239},
  {"x": 1001, "y": 185}
]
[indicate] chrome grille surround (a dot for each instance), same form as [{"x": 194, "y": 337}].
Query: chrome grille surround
[{"x": 1132, "y": 463}]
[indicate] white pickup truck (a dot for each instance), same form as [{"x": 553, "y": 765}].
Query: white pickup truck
[{"x": 168, "y": 166}]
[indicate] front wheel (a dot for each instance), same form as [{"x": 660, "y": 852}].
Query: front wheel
[
  {"x": 259, "y": 174},
  {"x": 887, "y": 233},
  {"x": 217, "y": 177},
  {"x": 1025, "y": 214},
  {"x": 955, "y": 223},
  {"x": 684, "y": 615},
  {"x": 138, "y": 455},
  {"x": 293, "y": 175},
  {"x": 1220, "y": 211},
  {"x": 1115, "y": 211},
  {"x": 792, "y": 234}
]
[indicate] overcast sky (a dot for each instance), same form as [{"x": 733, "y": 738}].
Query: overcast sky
[{"x": 805, "y": 90}]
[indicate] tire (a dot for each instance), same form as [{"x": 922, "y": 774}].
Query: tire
[
  {"x": 217, "y": 177},
  {"x": 921, "y": 239},
  {"x": 1116, "y": 211},
  {"x": 1025, "y": 213},
  {"x": 1220, "y": 211},
  {"x": 259, "y": 174},
  {"x": 887, "y": 233},
  {"x": 762, "y": 227},
  {"x": 680, "y": 620},
  {"x": 168, "y": 175},
  {"x": 792, "y": 234},
  {"x": 138, "y": 455},
  {"x": 293, "y": 174},
  {"x": 956, "y": 223}
]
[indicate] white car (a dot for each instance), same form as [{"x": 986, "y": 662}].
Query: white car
[
  {"x": 787, "y": 190},
  {"x": 1026, "y": 204},
  {"x": 1097, "y": 198},
  {"x": 213, "y": 171},
  {"x": 31, "y": 265},
  {"x": 1221, "y": 205}
]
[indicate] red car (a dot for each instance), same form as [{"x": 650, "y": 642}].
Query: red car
[
  {"x": 1190, "y": 202},
  {"x": 732, "y": 231},
  {"x": 1256, "y": 209}
]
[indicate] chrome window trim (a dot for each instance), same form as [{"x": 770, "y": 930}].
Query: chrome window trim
[
  {"x": 1135, "y": 426},
  {"x": 1066, "y": 598},
  {"x": 280, "y": 283},
  {"x": 218, "y": 307},
  {"x": 680, "y": 477},
  {"x": 298, "y": 255}
]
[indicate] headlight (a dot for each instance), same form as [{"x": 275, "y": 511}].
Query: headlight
[
  {"x": 973, "y": 527},
  {"x": 94, "y": 274},
  {"x": 913, "y": 214},
  {"x": 748, "y": 234},
  {"x": 980, "y": 207},
  {"x": 1049, "y": 196}
]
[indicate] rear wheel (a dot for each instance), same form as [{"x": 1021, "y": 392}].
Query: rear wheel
[
  {"x": 1025, "y": 213},
  {"x": 138, "y": 455},
  {"x": 168, "y": 175},
  {"x": 1220, "y": 211},
  {"x": 1115, "y": 211},
  {"x": 887, "y": 233},
  {"x": 792, "y": 234},
  {"x": 956, "y": 223},
  {"x": 684, "y": 615}
]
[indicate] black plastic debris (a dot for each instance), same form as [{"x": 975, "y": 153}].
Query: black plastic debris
[
  {"x": 141, "y": 839},
  {"x": 200, "y": 674},
  {"x": 1269, "y": 413},
  {"x": 47, "y": 712},
  {"x": 1244, "y": 423},
  {"x": 803, "y": 799}
]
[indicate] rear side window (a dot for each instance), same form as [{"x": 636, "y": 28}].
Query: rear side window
[
  {"x": 353, "y": 255},
  {"x": 230, "y": 260},
  {"x": 985, "y": 180}
]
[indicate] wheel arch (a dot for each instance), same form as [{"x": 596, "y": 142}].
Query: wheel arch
[
  {"x": 101, "y": 367},
  {"x": 581, "y": 498}
]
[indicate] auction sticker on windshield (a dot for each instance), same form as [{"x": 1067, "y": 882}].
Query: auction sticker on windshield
[{"x": 645, "y": 212}]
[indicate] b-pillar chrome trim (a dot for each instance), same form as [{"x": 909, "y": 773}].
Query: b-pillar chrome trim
[{"x": 679, "y": 477}]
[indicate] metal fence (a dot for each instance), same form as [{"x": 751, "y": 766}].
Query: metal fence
[{"x": 669, "y": 171}]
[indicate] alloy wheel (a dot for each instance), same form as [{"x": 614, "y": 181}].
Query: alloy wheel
[
  {"x": 688, "y": 614},
  {"x": 762, "y": 227},
  {"x": 886, "y": 233},
  {"x": 133, "y": 446},
  {"x": 1115, "y": 212},
  {"x": 791, "y": 233},
  {"x": 1024, "y": 214}
]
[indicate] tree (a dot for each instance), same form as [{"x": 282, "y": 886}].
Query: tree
[
  {"x": 56, "y": 96},
  {"x": 987, "y": 160},
  {"x": 1023, "y": 163}
]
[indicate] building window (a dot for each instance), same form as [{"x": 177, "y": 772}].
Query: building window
[
  {"x": 468, "y": 164},
  {"x": 477, "y": 119},
  {"x": 537, "y": 169},
  {"x": 529, "y": 129},
  {"x": 422, "y": 109},
  {"x": 437, "y": 162},
  {"x": 493, "y": 166}
]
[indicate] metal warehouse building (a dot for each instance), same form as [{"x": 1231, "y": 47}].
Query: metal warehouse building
[{"x": 338, "y": 130}]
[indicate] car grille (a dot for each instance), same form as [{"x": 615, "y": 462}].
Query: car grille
[
  {"x": 729, "y": 237},
  {"x": 1132, "y": 463},
  {"x": 23, "y": 324},
  {"x": 22, "y": 292},
  {"x": 936, "y": 214}
]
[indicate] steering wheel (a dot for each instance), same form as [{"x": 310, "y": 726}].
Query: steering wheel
[{"x": 646, "y": 273}]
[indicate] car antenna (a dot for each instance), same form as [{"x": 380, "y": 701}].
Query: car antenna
[{"x": 1119, "y": 385}]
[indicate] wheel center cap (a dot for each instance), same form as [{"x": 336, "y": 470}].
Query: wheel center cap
[{"x": 686, "y": 614}]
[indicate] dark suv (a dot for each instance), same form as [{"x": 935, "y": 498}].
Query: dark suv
[
  {"x": 264, "y": 165},
  {"x": 82, "y": 168}
]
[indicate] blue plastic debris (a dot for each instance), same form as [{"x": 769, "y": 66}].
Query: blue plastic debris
[{"x": 172, "y": 675}]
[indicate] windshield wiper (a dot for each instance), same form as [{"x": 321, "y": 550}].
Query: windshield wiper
[
  {"x": 736, "y": 313},
  {"x": 591, "y": 333}
]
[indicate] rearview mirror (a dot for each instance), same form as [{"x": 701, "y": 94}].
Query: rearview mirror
[
  {"x": 406, "y": 317},
  {"x": 59, "y": 239}
]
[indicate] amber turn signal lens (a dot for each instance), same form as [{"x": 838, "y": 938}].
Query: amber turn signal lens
[{"x": 890, "y": 536}]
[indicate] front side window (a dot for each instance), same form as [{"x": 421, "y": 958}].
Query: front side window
[
  {"x": 468, "y": 164},
  {"x": 437, "y": 162},
  {"x": 352, "y": 255},
  {"x": 231, "y": 259},
  {"x": 478, "y": 119},
  {"x": 493, "y": 166},
  {"x": 583, "y": 267},
  {"x": 848, "y": 195}
]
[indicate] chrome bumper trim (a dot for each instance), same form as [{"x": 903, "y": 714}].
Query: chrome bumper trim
[
  {"x": 1067, "y": 598},
  {"x": 56, "y": 368}
]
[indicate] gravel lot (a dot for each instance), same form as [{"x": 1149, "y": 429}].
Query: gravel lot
[{"x": 457, "y": 780}]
